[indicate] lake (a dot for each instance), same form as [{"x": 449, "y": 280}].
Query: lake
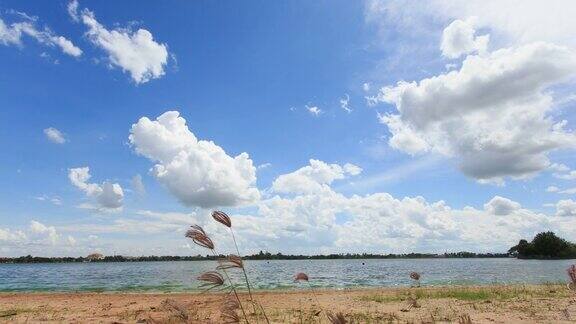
[{"x": 278, "y": 274}]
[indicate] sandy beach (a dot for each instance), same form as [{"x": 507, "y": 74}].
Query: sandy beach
[{"x": 488, "y": 304}]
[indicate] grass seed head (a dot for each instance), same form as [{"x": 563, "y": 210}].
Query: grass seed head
[{"x": 222, "y": 218}]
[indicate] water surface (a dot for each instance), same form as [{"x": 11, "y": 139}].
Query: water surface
[{"x": 179, "y": 275}]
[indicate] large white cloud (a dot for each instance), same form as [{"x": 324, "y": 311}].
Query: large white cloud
[
  {"x": 313, "y": 177},
  {"x": 518, "y": 21},
  {"x": 109, "y": 196},
  {"x": 492, "y": 115},
  {"x": 135, "y": 52},
  {"x": 197, "y": 172},
  {"x": 325, "y": 221},
  {"x": 12, "y": 35}
]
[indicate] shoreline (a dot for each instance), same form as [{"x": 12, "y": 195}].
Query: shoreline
[
  {"x": 295, "y": 289},
  {"x": 483, "y": 303}
]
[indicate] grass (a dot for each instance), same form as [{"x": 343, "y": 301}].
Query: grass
[{"x": 471, "y": 293}]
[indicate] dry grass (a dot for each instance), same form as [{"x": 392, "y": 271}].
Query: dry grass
[{"x": 532, "y": 304}]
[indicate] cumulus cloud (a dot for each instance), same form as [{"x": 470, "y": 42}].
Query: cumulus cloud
[
  {"x": 54, "y": 135},
  {"x": 328, "y": 221},
  {"x": 459, "y": 38},
  {"x": 566, "y": 207},
  {"x": 314, "y": 177},
  {"x": 12, "y": 35},
  {"x": 42, "y": 230},
  {"x": 552, "y": 189},
  {"x": 197, "y": 172},
  {"x": 501, "y": 206},
  {"x": 109, "y": 196},
  {"x": 492, "y": 115},
  {"x": 135, "y": 52},
  {"x": 11, "y": 236},
  {"x": 511, "y": 21}
]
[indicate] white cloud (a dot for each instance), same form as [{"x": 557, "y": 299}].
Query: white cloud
[
  {"x": 314, "y": 110},
  {"x": 49, "y": 232},
  {"x": 492, "y": 115},
  {"x": 552, "y": 189},
  {"x": 264, "y": 166},
  {"x": 73, "y": 10},
  {"x": 135, "y": 52},
  {"x": 10, "y": 236},
  {"x": 379, "y": 222},
  {"x": 571, "y": 175},
  {"x": 314, "y": 177},
  {"x": 569, "y": 191},
  {"x": 197, "y": 172},
  {"x": 12, "y": 35},
  {"x": 501, "y": 206},
  {"x": 516, "y": 21},
  {"x": 459, "y": 38},
  {"x": 109, "y": 196},
  {"x": 345, "y": 104},
  {"x": 54, "y": 135},
  {"x": 566, "y": 207}
]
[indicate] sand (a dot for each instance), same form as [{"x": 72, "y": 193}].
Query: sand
[{"x": 491, "y": 304}]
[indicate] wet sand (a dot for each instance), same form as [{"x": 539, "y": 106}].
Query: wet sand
[{"x": 486, "y": 304}]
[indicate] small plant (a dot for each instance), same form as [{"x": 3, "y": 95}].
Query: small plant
[
  {"x": 337, "y": 318},
  {"x": 213, "y": 279},
  {"x": 464, "y": 319},
  {"x": 416, "y": 277},
  {"x": 572, "y": 275}
]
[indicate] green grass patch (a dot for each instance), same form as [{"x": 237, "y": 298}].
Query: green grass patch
[{"x": 471, "y": 293}]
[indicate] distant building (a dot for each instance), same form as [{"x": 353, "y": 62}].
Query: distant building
[{"x": 95, "y": 257}]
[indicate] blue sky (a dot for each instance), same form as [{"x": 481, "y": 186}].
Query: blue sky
[{"x": 474, "y": 136}]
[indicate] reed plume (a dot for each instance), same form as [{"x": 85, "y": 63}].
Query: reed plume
[
  {"x": 231, "y": 261},
  {"x": 416, "y": 277},
  {"x": 222, "y": 218},
  {"x": 300, "y": 276},
  {"x": 198, "y": 236},
  {"x": 337, "y": 318},
  {"x": 572, "y": 275},
  {"x": 228, "y": 311},
  {"x": 212, "y": 279},
  {"x": 229, "y": 316}
]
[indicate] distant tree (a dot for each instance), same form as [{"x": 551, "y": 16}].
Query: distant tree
[{"x": 545, "y": 245}]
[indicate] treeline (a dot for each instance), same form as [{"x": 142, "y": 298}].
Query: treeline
[
  {"x": 259, "y": 256},
  {"x": 545, "y": 245},
  {"x": 280, "y": 256}
]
